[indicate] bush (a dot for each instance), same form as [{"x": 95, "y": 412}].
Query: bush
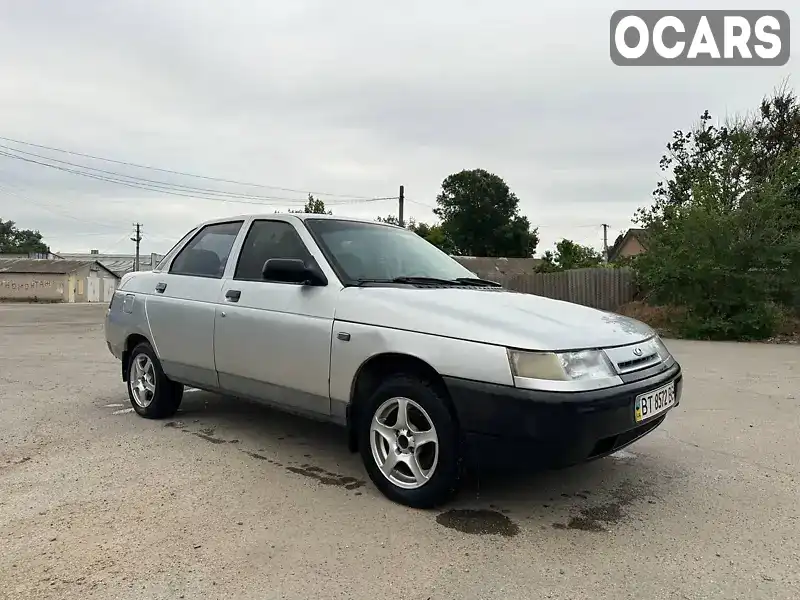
[{"x": 724, "y": 232}]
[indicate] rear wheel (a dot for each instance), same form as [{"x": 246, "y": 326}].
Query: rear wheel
[
  {"x": 152, "y": 394},
  {"x": 409, "y": 442}
]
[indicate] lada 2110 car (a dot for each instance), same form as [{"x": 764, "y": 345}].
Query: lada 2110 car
[{"x": 367, "y": 325}]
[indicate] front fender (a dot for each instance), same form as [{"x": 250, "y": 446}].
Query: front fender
[{"x": 450, "y": 357}]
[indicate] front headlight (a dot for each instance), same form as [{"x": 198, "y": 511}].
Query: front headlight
[
  {"x": 588, "y": 368},
  {"x": 661, "y": 348}
]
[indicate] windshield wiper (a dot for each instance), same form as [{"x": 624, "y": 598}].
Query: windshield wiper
[
  {"x": 478, "y": 281},
  {"x": 419, "y": 279},
  {"x": 411, "y": 280}
]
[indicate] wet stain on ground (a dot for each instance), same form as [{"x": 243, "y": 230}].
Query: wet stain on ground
[
  {"x": 596, "y": 518},
  {"x": 478, "y": 522},
  {"x": 258, "y": 456},
  {"x": 255, "y": 455},
  {"x": 209, "y": 438},
  {"x": 326, "y": 477},
  {"x": 206, "y": 434},
  {"x": 580, "y": 523},
  {"x": 321, "y": 475}
]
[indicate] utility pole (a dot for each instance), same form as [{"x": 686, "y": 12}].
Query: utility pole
[
  {"x": 137, "y": 238},
  {"x": 605, "y": 242},
  {"x": 400, "y": 206}
]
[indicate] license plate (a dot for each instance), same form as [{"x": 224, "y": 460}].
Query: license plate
[{"x": 653, "y": 403}]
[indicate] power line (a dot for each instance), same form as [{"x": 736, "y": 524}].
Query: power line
[
  {"x": 115, "y": 244},
  {"x": 540, "y": 225},
  {"x": 49, "y": 209},
  {"x": 420, "y": 203},
  {"x": 155, "y": 182},
  {"x": 219, "y": 179},
  {"x": 164, "y": 188}
]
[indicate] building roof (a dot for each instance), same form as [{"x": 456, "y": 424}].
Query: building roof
[
  {"x": 46, "y": 266},
  {"x": 119, "y": 264},
  {"x": 634, "y": 232}
]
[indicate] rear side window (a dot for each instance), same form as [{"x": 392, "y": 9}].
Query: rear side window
[
  {"x": 265, "y": 240},
  {"x": 207, "y": 253}
]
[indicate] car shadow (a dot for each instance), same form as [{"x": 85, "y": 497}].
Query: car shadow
[{"x": 589, "y": 497}]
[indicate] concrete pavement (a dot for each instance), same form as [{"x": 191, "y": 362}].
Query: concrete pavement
[{"x": 234, "y": 500}]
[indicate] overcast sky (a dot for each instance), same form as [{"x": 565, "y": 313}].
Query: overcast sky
[{"x": 351, "y": 98}]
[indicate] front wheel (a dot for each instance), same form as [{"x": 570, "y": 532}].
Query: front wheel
[
  {"x": 151, "y": 393},
  {"x": 409, "y": 442}
]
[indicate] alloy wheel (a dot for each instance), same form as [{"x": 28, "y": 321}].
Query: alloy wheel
[
  {"x": 404, "y": 443},
  {"x": 143, "y": 380}
]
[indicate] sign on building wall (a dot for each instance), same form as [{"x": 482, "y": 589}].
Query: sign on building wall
[
  {"x": 34, "y": 284},
  {"x": 24, "y": 287}
]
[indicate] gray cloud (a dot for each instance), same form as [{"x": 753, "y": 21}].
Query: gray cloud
[{"x": 352, "y": 98}]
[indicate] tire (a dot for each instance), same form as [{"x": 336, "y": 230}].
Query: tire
[
  {"x": 443, "y": 468},
  {"x": 162, "y": 397}
]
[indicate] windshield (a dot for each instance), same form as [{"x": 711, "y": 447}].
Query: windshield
[{"x": 367, "y": 251}]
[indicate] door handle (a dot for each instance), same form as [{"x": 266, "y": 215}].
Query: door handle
[
  {"x": 161, "y": 287},
  {"x": 233, "y": 295}
]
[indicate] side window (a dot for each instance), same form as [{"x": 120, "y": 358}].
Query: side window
[
  {"x": 207, "y": 253},
  {"x": 166, "y": 258},
  {"x": 265, "y": 240}
]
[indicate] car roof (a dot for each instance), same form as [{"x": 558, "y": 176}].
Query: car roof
[{"x": 289, "y": 217}]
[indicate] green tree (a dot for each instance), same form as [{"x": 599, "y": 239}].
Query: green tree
[
  {"x": 20, "y": 241},
  {"x": 314, "y": 206},
  {"x": 431, "y": 233},
  {"x": 570, "y": 255},
  {"x": 389, "y": 219},
  {"x": 480, "y": 216},
  {"x": 724, "y": 228}
]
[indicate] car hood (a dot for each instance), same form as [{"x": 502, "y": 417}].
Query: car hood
[{"x": 499, "y": 317}]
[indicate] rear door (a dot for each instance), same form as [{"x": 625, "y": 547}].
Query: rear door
[
  {"x": 181, "y": 306},
  {"x": 273, "y": 339}
]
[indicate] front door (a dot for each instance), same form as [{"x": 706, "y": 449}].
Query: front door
[
  {"x": 272, "y": 340},
  {"x": 182, "y": 303}
]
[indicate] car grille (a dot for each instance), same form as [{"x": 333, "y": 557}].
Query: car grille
[
  {"x": 634, "y": 357},
  {"x": 636, "y": 363}
]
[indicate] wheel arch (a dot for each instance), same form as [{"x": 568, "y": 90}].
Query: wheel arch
[
  {"x": 377, "y": 368},
  {"x": 133, "y": 340}
]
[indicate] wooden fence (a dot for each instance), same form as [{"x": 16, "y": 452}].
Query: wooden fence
[{"x": 603, "y": 288}]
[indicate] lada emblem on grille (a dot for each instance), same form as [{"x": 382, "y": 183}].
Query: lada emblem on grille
[{"x": 637, "y": 351}]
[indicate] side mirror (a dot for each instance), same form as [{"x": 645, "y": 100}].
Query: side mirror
[{"x": 293, "y": 270}]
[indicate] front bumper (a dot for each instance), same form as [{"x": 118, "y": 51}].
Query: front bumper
[{"x": 514, "y": 427}]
